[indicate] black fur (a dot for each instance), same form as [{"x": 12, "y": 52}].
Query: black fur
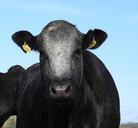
[
  {"x": 97, "y": 106},
  {"x": 9, "y": 86}
]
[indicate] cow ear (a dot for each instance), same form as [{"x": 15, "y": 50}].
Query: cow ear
[
  {"x": 93, "y": 39},
  {"x": 25, "y": 40}
]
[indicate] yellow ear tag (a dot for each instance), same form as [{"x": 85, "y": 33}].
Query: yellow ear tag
[
  {"x": 93, "y": 43},
  {"x": 26, "y": 47}
]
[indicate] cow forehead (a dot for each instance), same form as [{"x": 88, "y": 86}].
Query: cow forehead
[
  {"x": 59, "y": 54},
  {"x": 59, "y": 30},
  {"x": 58, "y": 47},
  {"x": 60, "y": 38}
]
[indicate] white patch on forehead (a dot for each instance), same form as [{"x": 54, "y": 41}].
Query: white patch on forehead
[
  {"x": 60, "y": 57},
  {"x": 59, "y": 42}
]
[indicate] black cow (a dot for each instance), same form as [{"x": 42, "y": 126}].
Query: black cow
[
  {"x": 73, "y": 88},
  {"x": 9, "y": 86}
]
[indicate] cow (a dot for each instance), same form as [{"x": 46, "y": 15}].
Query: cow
[
  {"x": 72, "y": 88},
  {"x": 9, "y": 86},
  {"x": 10, "y": 89}
]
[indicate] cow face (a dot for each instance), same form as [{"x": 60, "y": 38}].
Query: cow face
[
  {"x": 61, "y": 58},
  {"x": 61, "y": 47}
]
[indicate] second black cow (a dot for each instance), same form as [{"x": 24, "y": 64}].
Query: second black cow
[
  {"x": 9, "y": 92},
  {"x": 72, "y": 88}
]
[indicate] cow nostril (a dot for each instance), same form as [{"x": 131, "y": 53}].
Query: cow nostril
[
  {"x": 60, "y": 91},
  {"x": 53, "y": 91},
  {"x": 68, "y": 89}
]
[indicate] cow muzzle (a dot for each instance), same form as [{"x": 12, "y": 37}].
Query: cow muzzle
[{"x": 61, "y": 91}]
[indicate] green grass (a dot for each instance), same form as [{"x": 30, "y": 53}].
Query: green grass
[
  {"x": 10, "y": 123},
  {"x": 129, "y": 125}
]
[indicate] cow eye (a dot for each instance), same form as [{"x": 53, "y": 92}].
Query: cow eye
[
  {"x": 78, "y": 52},
  {"x": 43, "y": 56},
  {"x": 41, "y": 53}
]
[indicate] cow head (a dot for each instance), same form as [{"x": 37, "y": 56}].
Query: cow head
[{"x": 61, "y": 47}]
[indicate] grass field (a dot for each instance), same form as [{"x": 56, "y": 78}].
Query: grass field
[
  {"x": 129, "y": 125},
  {"x": 10, "y": 123}
]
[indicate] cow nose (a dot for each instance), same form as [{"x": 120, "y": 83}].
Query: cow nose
[{"x": 63, "y": 91}]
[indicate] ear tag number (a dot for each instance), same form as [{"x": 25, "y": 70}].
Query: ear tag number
[
  {"x": 93, "y": 43},
  {"x": 26, "y": 47}
]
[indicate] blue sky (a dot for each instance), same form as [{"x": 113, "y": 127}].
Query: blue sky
[{"x": 119, "y": 52}]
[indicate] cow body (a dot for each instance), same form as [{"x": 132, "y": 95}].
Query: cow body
[
  {"x": 97, "y": 106},
  {"x": 71, "y": 88},
  {"x": 9, "y": 86}
]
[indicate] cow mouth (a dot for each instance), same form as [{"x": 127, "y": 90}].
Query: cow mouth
[{"x": 61, "y": 100}]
